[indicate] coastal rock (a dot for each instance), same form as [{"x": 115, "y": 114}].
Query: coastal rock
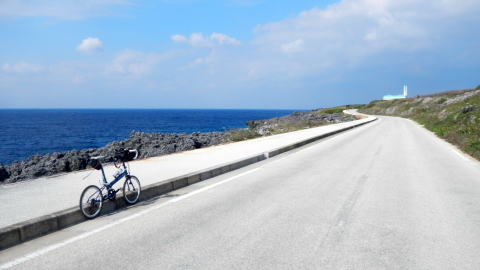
[
  {"x": 3, "y": 173},
  {"x": 297, "y": 120},
  {"x": 156, "y": 144},
  {"x": 442, "y": 115},
  {"x": 462, "y": 97},
  {"x": 467, "y": 109}
]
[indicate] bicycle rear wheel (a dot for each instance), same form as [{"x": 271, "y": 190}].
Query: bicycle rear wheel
[
  {"x": 91, "y": 201},
  {"x": 131, "y": 189}
]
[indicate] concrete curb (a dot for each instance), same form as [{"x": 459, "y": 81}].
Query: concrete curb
[{"x": 34, "y": 228}]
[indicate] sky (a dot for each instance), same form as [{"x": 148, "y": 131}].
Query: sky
[{"x": 246, "y": 54}]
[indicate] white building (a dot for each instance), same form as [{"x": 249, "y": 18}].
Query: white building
[{"x": 392, "y": 97}]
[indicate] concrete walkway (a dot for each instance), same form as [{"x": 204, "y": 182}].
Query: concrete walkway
[{"x": 30, "y": 199}]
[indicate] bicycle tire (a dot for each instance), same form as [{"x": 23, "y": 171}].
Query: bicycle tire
[
  {"x": 131, "y": 189},
  {"x": 91, "y": 201}
]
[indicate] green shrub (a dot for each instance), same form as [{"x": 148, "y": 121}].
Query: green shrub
[
  {"x": 354, "y": 106},
  {"x": 243, "y": 134},
  {"x": 333, "y": 110},
  {"x": 441, "y": 101}
]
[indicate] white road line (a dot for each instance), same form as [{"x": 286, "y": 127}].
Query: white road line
[
  {"x": 115, "y": 223},
  {"x": 460, "y": 154}
]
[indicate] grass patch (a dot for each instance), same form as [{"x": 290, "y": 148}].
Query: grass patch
[
  {"x": 237, "y": 135},
  {"x": 332, "y": 110},
  {"x": 340, "y": 109},
  {"x": 441, "y": 100}
]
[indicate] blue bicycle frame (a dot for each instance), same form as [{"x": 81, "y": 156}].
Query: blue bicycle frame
[{"x": 117, "y": 178}]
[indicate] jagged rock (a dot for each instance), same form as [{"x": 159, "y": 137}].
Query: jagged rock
[
  {"x": 297, "y": 120},
  {"x": 462, "y": 97},
  {"x": 391, "y": 110},
  {"x": 3, "y": 173},
  {"x": 467, "y": 109},
  {"x": 443, "y": 115},
  {"x": 427, "y": 100}
]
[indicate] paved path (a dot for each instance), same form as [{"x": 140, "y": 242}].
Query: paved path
[
  {"x": 30, "y": 199},
  {"x": 388, "y": 195}
]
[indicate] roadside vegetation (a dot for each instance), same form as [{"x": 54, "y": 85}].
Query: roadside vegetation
[
  {"x": 453, "y": 115},
  {"x": 292, "y": 122},
  {"x": 237, "y": 135}
]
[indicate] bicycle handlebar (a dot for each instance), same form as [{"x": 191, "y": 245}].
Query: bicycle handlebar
[{"x": 134, "y": 151}]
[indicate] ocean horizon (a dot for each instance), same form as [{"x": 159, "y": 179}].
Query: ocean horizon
[{"x": 28, "y": 131}]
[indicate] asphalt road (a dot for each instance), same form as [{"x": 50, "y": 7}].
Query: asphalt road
[{"x": 388, "y": 195}]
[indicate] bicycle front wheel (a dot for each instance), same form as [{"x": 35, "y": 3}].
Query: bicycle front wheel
[
  {"x": 91, "y": 201},
  {"x": 131, "y": 189}
]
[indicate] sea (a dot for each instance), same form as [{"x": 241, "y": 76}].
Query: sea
[{"x": 25, "y": 132}]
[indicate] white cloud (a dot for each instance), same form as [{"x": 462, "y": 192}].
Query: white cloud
[
  {"x": 61, "y": 9},
  {"x": 201, "y": 61},
  {"x": 224, "y": 39},
  {"x": 90, "y": 45},
  {"x": 293, "y": 47},
  {"x": 135, "y": 63},
  {"x": 199, "y": 40},
  {"x": 21, "y": 67},
  {"x": 353, "y": 32},
  {"x": 179, "y": 38}
]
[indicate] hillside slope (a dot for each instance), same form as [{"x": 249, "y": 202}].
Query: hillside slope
[{"x": 452, "y": 115}]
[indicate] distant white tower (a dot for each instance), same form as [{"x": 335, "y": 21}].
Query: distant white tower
[{"x": 393, "y": 97}]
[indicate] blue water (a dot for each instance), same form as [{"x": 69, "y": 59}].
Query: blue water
[{"x": 24, "y": 132}]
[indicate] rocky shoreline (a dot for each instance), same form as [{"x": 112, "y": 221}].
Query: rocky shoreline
[
  {"x": 156, "y": 144},
  {"x": 148, "y": 145}
]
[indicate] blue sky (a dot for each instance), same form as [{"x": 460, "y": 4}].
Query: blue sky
[{"x": 232, "y": 53}]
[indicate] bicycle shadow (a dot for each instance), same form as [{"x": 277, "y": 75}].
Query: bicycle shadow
[{"x": 142, "y": 203}]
